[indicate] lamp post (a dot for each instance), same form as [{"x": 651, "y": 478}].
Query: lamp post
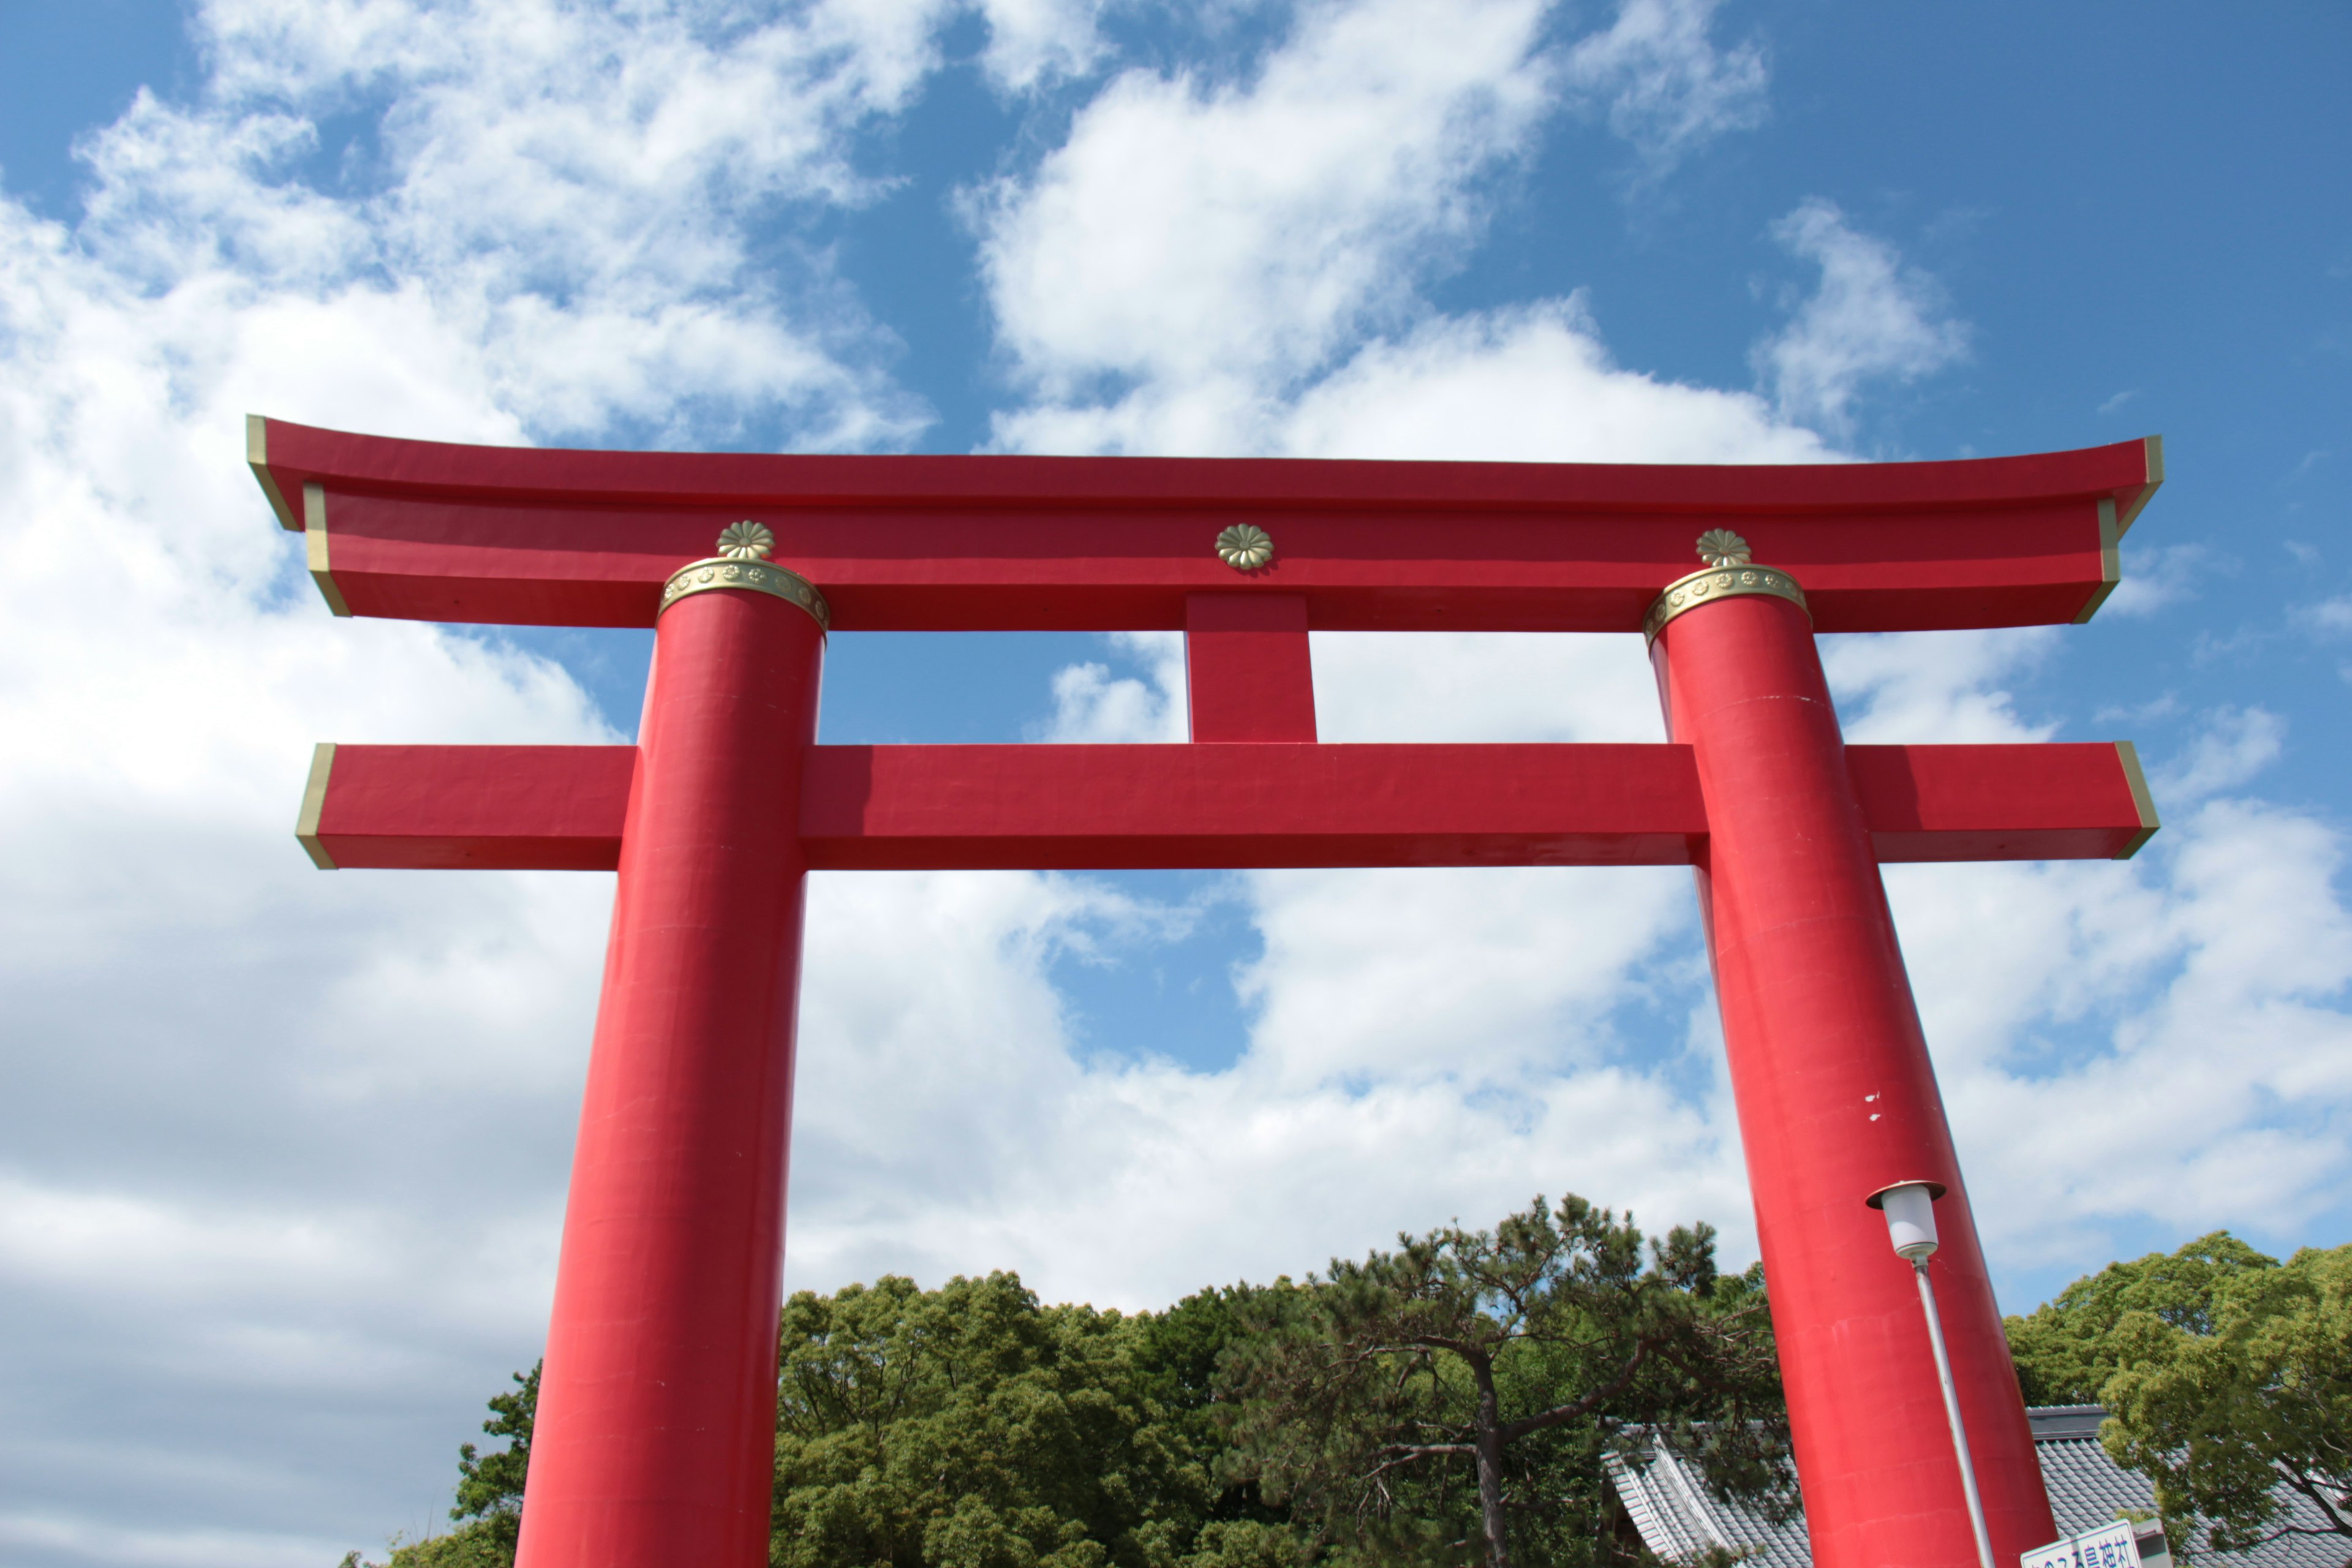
[{"x": 1910, "y": 1210}]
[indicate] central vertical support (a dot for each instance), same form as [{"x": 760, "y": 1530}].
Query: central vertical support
[
  {"x": 1247, "y": 672},
  {"x": 655, "y": 1443},
  {"x": 1837, "y": 1100}
]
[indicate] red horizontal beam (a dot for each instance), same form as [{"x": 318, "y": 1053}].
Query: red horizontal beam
[
  {"x": 1210, "y": 806},
  {"x": 509, "y": 808},
  {"x": 427, "y": 531},
  {"x": 1207, "y": 805}
]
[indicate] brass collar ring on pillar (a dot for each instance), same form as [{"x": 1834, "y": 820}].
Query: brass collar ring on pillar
[
  {"x": 1730, "y": 572},
  {"x": 742, "y": 562}
]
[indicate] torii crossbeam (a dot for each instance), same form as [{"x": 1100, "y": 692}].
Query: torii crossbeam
[{"x": 655, "y": 1424}]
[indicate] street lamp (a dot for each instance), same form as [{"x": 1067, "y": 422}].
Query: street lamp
[{"x": 1910, "y": 1210}]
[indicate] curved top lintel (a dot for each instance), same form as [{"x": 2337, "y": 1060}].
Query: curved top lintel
[
  {"x": 433, "y": 531},
  {"x": 2126, "y": 471}
]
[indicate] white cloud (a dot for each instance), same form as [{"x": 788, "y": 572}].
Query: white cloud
[
  {"x": 2157, "y": 579},
  {"x": 1483, "y": 686},
  {"x": 2329, "y": 617},
  {"x": 1032, "y": 42},
  {"x": 573, "y": 189},
  {"x": 1234, "y": 269},
  {"x": 1483, "y": 978},
  {"x": 1212, "y": 243},
  {"x": 2235, "y": 745},
  {"x": 1530, "y": 384},
  {"x": 1872, "y": 317},
  {"x": 2141, "y": 1044},
  {"x": 1936, "y": 688},
  {"x": 1126, "y": 1182},
  {"x": 1661, "y": 83},
  {"x": 1093, "y": 706}
]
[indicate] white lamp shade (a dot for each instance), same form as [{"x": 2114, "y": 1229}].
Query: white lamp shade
[{"x": 1910, "y": 1219}]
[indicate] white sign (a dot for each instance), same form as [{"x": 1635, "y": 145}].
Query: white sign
[{"x": 2113, "y": 1545}]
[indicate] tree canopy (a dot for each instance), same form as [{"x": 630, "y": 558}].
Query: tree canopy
[
  {"x": 971, "y": 1425},
  {"x": 1455, "y": 1396},
  {"x": 1372, "y": 1416},
  {"x": 2228, "y": 1376}
]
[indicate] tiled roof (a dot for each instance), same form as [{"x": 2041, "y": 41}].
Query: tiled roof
[{"x": 1678, "y": 1520}]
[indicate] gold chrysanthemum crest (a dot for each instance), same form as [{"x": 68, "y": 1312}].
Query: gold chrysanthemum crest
[
  {"x": 746, "y": 541},
  {"x": 1721, "y": 547},
  {"x": 1245, "y": 547},
  {"x": 1730, "y": 572},
  {"x": 742, "y": 564}
]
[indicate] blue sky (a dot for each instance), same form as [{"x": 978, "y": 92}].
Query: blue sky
[{"x": 282, "y": 1155}]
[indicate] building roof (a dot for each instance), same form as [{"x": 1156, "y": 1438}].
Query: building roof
[{"x": 1679, "y": 1520}]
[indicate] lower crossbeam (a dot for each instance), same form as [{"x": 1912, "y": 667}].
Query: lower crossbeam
[{"x": 1207, "y": 806}]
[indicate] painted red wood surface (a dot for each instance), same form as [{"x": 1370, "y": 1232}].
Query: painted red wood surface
[
  {"x": 427, "y": 531},
  {"x": 453, "y": 809},
  {"x": 655, "y": 1441},
  {"x": 1248, "y": 672},
  {"x": 1210, "y": 806},
  {"x": 1837, "y": 1100}
]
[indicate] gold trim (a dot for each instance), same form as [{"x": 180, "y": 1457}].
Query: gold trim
[
  {"x": 256, "y": 458},
  {"x": 314, "y": 800},
  {"x": 1705, "y": 587},
  {"x": 2111, "y": 562},
  {"x": 314, "y": 546},
  {"x": 747, "y": 540},
  {"x": 1245, "y": 547},
  {"x": 759, "y": 576},
  {"x": 2155, "y": 448},
  {"x": 2128, "y": 754},
  {"x": 1721, "y": 547}
]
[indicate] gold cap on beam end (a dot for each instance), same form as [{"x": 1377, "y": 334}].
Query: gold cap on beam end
[
  {"x": 1730, "y": 572},
  {"x": 314, "y": 805},
  {"x": 742, "y": 562}
]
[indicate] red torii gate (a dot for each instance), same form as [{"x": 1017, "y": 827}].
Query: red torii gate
[{"x": 656, "y": 1410}]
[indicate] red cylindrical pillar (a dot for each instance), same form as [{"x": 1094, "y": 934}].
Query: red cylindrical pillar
[
  {"x": 1837, "y": 1099},
  {"x": 655, "y": 1443}
]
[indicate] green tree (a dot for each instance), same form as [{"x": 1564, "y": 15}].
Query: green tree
[
  {"x": 962, "y": 1427},
  {"x": 1458, "y": 1394},
  {"x": 1178, "y": 1353},
  {"x": 2228, "y": 1375},
  {"x": 971, "y": 1427},
  {"x": 2066, "y": 1351}
]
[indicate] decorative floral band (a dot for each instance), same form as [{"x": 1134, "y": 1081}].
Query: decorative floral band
[
  {"x": 1714, "y": 583},
  {"x": 739, "y": 572}
]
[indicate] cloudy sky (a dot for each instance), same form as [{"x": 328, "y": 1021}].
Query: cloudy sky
[{"x": 283, "y": 1154}]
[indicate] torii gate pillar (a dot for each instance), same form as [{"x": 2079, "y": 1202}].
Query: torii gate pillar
[
  {"x": 655, "y": 1439},
  {"x": 654, "y": 1443},
  {"x": 1837, "y": 1099}
]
